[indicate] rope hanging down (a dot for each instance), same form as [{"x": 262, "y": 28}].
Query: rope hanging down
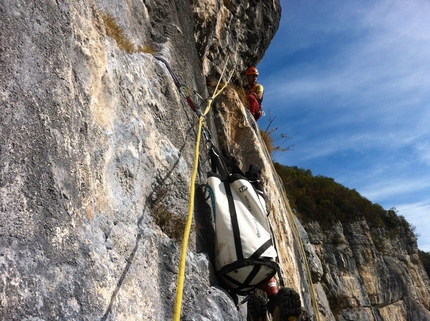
[
  {"x": 301, "y": 248},
  {"x": 184, "y": 90},
  {"x": 181, "y": 273}
]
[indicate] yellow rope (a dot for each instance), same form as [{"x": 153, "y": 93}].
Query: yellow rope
[
  {"x": 311, "y": 284},
  {"x": 302, "y": 251},
  {"x": 181, "y": 273}
]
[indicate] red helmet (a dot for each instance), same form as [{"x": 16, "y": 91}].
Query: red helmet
[{"x": 252, "y": 71}]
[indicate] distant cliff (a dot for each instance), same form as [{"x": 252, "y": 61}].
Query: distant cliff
[
  {"x": 366, "y": 280},
  {"x": 365, "y": 257},
  {"x": 97, "y": 148}
]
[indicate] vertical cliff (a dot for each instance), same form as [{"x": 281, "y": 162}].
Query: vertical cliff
[
  {"x": 97, "y": 149},
  {"x": 369, "y": 273}
]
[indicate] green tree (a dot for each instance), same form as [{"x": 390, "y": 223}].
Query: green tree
[
  {"x": 425, "y": 259},
  {"x": 319, "y": 198}
]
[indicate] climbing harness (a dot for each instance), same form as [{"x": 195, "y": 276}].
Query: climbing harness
[{"x": 185, "y": 92}]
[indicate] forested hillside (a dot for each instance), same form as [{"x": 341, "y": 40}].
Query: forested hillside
[{"x": 319, "y": 198}]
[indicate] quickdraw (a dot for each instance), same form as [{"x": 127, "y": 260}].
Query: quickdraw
[{"x": 183, "y": 89}]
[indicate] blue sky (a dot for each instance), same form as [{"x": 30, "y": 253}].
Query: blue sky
[{"x": 350, "y": 81}]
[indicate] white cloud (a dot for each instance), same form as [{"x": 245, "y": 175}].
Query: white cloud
[
  {"x": 423, "y": 151},
  {"x": 417, "y": 214},
  {"x": 393, "y": 188}
]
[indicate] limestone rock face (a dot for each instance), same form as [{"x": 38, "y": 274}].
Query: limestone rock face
[
  {"x": 97, "y": 150},
  {"x": 240, "y": 30},
  {"x": 369, "y": 274}
]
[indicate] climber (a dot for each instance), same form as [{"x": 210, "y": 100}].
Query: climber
[
  {"x": 254, "y": 92},
  {"x": 284, "y": 304}
]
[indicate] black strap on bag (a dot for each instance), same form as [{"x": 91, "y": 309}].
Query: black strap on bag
[
  {"x": 221, "y": 164},
  {"x": 245, "y": 273},
  {"x": 224, "y": 165},
  {"x": 243, "y": 288}
]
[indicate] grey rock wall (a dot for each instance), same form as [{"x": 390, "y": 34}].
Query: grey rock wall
[
  {"x": 364, "y": 280},
  {"x": 96, "y": 154},
  {"x": 238, "y": 29}
]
